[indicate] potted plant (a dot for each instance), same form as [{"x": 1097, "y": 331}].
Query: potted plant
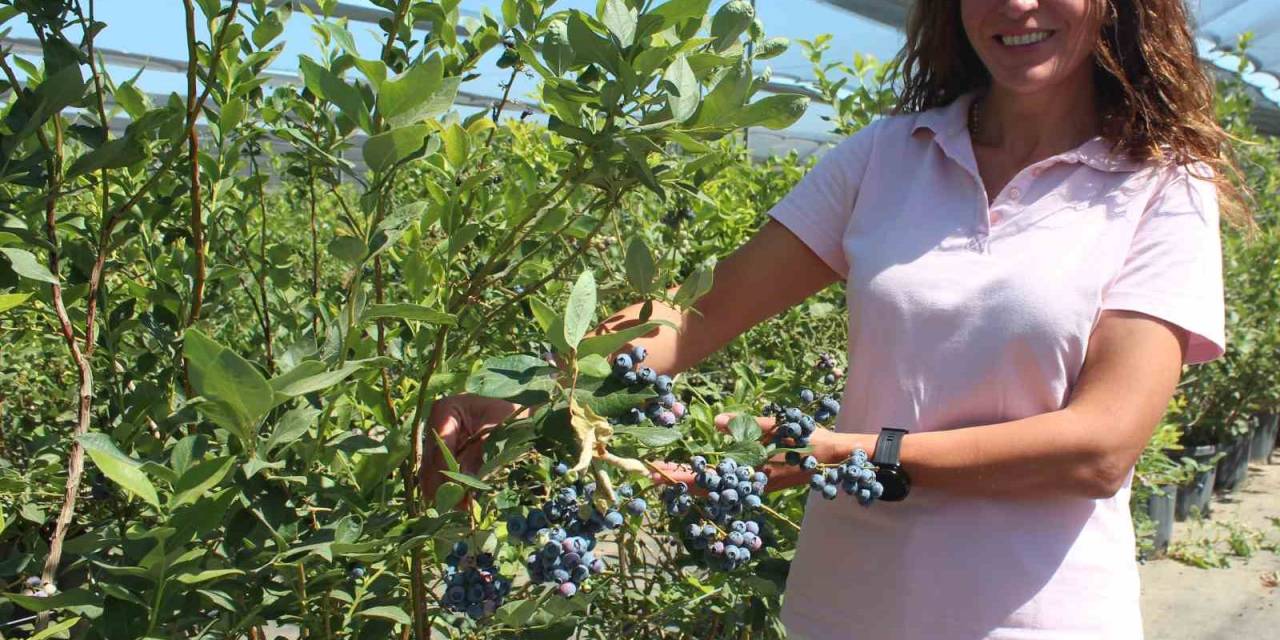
[{"x": 1156, "y": 480}]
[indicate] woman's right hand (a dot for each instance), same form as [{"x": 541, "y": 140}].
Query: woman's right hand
[{"x": 463, "y": 422}]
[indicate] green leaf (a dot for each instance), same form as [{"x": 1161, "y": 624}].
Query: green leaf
[
  {"x": 695, "y": 286},
  {"x": 134, "y": 102},
  {"x": 610, "y": 399},
  {"x": 543, "y": 314},
  {"x": 677, "y": 11},
  {"x": 774, "y": 112},
  {"x": 744, "y": 428},
  {"x": 206, "y": 576},
  {"x": 729, "y": 22},
  {"x": 726, "y": 98},
  {"x": 24, "y": 263},
  {"x": 509, "y": 376},
  {"x": 199, "y": 479},
  {"x": 747, "y": 453},
  {"x": 394, "y": 614},
  {"x": 650, "y": 436},
  {"x": 641, "y": 269},
  {"x": 581, "y": 310},
  {"x": 292, "y": 425},
  {"x": 466, "y": 480},
  {"x": 328, "y": 86},
  {"x": 384, "y": 150},
  {"x": 117, "y": 466},
  {"x": 267, "y": 30},
  {"x": 419, "y": 93},
  {"x": 683, "y": 94},
  {"x": 78, "y": 600},
  {"x": 448, "y": 496},
  {"x": 310, "y": 376},
  {"x": 56, "y": 629},
  {"x": 595, "y": 366},
  {"x": 556, "y": 49},
  {"x": 10, "y": 300},
  {"x": 457, "y": 145},
  {"x": 236, "y": 395},
  {"x": 450, "y": 462},
  {"x": 589, "y": 46},
  {"x": 347, "y": 249},
  {"x": 772, "y": 47},
  {"x": 112, "y": 154},
  {"x": 415, "y": 312},
  {"x": 621, "y": 21}
]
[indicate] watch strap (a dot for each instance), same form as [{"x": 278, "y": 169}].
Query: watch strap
[{"x": 888, "y": 446}]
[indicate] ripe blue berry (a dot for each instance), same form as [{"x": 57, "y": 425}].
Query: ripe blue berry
[
  {"x": 639, "y": 353},
  {"x": 637, "y": 506},
  {"x": 560, "y": 469},
  {"x": 662, "y": 384},
  {"x": 806, "y": 395},
  {"x": 622, "y": 362}
]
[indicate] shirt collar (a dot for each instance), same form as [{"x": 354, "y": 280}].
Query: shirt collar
[{"x": 949, "y": 125}]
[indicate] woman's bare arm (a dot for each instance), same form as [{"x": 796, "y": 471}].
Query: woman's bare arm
[{"x": 764, "y": 277}]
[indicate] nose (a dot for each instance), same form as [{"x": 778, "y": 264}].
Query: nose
[{"x": 1015, "y": 8}]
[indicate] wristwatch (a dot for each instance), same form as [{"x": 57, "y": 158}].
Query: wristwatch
[{"x": 888, "y": 472}]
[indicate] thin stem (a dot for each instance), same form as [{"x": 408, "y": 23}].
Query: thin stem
[
  {"x": 196, "y": 220},
  {"x": 262, "y": 271},
  {"x": 315, "y": 254}
]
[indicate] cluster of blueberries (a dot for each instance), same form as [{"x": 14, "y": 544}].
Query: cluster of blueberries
[
  {"x": 857, "y": 476},
  {"x": 665, "y": 410},
  {"x": 567, "y": 526},
  {"x": 472, "y": 583},
  {"x": 675, "y": 217},
  {"x": 795, "y": 425},
  {"x": 723, "y": 527},
  {"x": 38, "y": 588},
  {"x": 827, "y": 362}
]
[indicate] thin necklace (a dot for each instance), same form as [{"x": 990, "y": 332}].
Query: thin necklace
[{"x": 975, "y": 113}]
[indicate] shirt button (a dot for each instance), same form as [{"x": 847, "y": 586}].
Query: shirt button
[
  {"x": 995, "y": 217},
  {"x": 1037, "y": 171},
  {"x": 1015, "y": 193}
]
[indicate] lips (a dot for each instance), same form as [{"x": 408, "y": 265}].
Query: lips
[{"x": 1024, "y": 39}]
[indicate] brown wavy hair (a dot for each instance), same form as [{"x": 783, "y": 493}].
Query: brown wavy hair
[{"x": 1155, "y": 99}]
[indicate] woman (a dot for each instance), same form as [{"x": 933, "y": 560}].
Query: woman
[{"x": 1032, "y": 252}]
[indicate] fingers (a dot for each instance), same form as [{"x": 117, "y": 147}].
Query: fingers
[{"x": 672, "y": 473}]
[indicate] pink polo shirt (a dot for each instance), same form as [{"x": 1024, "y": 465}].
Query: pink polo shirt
[{"x": 962, "y": 314}]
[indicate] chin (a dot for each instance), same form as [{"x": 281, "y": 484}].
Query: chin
[{"x": 1031, "y": 82}]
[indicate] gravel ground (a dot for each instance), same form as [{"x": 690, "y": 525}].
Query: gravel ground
[{"x": 1241, "y": 602}]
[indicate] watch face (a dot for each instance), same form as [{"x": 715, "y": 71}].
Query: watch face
[{"x": 895, "y": 481}]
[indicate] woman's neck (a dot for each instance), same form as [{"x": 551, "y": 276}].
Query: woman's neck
[{"x": 1038, "y": 125}]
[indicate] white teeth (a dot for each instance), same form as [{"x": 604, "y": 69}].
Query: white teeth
[{"x": 1029, "y": 38}]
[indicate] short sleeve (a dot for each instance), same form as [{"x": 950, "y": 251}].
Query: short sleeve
[
  {"x": 818, "y": 208},
  {"x": 1173, "y": 270}
]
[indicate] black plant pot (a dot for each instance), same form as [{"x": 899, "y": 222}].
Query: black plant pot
[
  {"x": 1160, "y": 506},
  {"x": 1233, "y": 468},
  {"x": 1197, "y": 494},
  {"x": 1264, "y": 437}
]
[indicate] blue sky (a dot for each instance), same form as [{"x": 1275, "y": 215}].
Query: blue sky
[{"x": 156, "y": 27}]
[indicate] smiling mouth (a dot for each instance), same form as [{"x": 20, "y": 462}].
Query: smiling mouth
[{"x": 1024, "y": 39}]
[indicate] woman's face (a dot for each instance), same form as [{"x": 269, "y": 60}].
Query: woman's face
[{"x": 1031, "y": 45}]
